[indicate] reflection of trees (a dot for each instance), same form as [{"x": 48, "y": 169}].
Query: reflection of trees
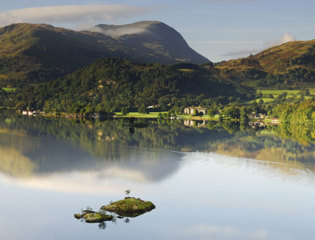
[
  {"x": 305, "y": 134},
  {"x": 14, "y": 163},
  {"x": 106, "y": 139},
  {"x": 267, "y": 147}
]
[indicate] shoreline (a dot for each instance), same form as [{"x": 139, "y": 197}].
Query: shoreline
[{"x": 151, "y": 115}]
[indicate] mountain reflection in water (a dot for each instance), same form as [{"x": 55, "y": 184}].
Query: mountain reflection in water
[{"x": 70, "y": 155}]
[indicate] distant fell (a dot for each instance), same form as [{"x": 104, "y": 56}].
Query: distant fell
[
  {"x": 39, "y": 52},
  {"x": 152, "y": 40},
  {"x": 289, "y": 63}
]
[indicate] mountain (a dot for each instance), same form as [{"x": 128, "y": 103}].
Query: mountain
[
  {"x": 33, "y": 52},
  {"x": 39, "y": 52},
  {"x": 286, "y": 64},
  {"x": 152, "y": 41},
  {"x": 112, "y": 84}
]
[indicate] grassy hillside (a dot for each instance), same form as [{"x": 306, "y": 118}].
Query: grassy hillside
[
  {"x": 289, "y": 64},
  {"x": 287, "y": 57},
  {"x": 38, "y": 52}
]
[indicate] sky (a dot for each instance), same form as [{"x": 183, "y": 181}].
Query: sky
[{"x": 218, "y": 29}]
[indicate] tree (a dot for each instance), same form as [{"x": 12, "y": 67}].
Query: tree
[
  {"x": 143, "y": 109},
  {"x": 124, "y": 111},
  {"x": 212, "y": 111},
  {"x": 233, "y": 112},
  {"x": 244, "y": 116}
]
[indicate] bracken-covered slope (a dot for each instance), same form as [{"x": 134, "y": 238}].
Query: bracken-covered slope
[
  {"x": 287, "y": 63},
  {"x": 39, "y": 52}
]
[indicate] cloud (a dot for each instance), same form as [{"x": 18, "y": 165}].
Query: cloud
[
  {"x": 245, "y": 53},
  {"x": 106, "y": 181},
  {"x": 241, "y": 53},
  {"x": 284, "y": 39},
  {"x": 116, "y": 31},
  {"x": 77, "y": 14},
  {"x": 287, "y": 38},
  {"x": 119, "y": 31}
]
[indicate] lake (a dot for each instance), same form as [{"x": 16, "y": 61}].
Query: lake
[{"x": 207, "y": 180}]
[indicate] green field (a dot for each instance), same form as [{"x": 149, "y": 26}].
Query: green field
[
  {"x": 277, "y": 92},
  {"x": 139, "y": 115},
  {"x": 291, "y": 94},
  {"x": 155, "y": 115},
  {"x": 9, "y": 90}
]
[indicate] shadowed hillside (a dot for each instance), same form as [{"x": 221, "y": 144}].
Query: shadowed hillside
[
  {"x": 38, "y": 52},
  {"x": 152, "y": 41}
]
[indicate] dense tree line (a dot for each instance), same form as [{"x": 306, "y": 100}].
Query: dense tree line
[
  {"x": 112, "y": 84},
  {"x": 298, "y": 113}
]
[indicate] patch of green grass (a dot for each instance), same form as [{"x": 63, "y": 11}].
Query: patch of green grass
[
  {"x": 8, "y": 120},
  {"x": 278, "y": 92},
  {"x": 291, "y": 94},
  {"x": 185, "y": 70},
  {"x": 9, "y": 90},
  {"x": 264, "y": 99},
  {"x": 156, "y": 115},
  {"x": 130, "y": 205},
  {"x": 140, "y": 115}
]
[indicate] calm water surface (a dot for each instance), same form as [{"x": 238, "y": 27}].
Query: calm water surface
[{"x": 207, "y": 182}]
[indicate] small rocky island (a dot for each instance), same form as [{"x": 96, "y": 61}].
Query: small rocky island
[
  {"x": 93, "y": 217},
  {"x": 128, "y": 207}
]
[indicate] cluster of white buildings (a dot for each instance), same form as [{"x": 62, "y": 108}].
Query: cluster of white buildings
[
  {"x": 30, "y": 113},
  {"x": 194, "y": 110}
]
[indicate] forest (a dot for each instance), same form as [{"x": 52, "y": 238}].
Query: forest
[{"x": 111, "y": 84}]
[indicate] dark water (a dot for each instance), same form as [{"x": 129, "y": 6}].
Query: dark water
[{"x": 207, "y": 181}]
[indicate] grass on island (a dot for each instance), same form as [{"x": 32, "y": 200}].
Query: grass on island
[{"x": 129, "y": 205}]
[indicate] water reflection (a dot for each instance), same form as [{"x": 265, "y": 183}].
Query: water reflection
[
  {"x": 59, "y": 165},
  {"x": 46, "y": 152},
  {"x": 235, "y": 183}
]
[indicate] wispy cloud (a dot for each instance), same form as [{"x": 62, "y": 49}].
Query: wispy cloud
[
  {"x": 241, "y": 53},
  {"x": 244, "y": 53},
  {"x": 77, "y": 14},
  {"x": 284, "y": 39}
]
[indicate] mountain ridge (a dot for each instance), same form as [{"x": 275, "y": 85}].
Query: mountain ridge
[
  {"x": 42, "y": 52},
  {"x": 286, "y": 63}
]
